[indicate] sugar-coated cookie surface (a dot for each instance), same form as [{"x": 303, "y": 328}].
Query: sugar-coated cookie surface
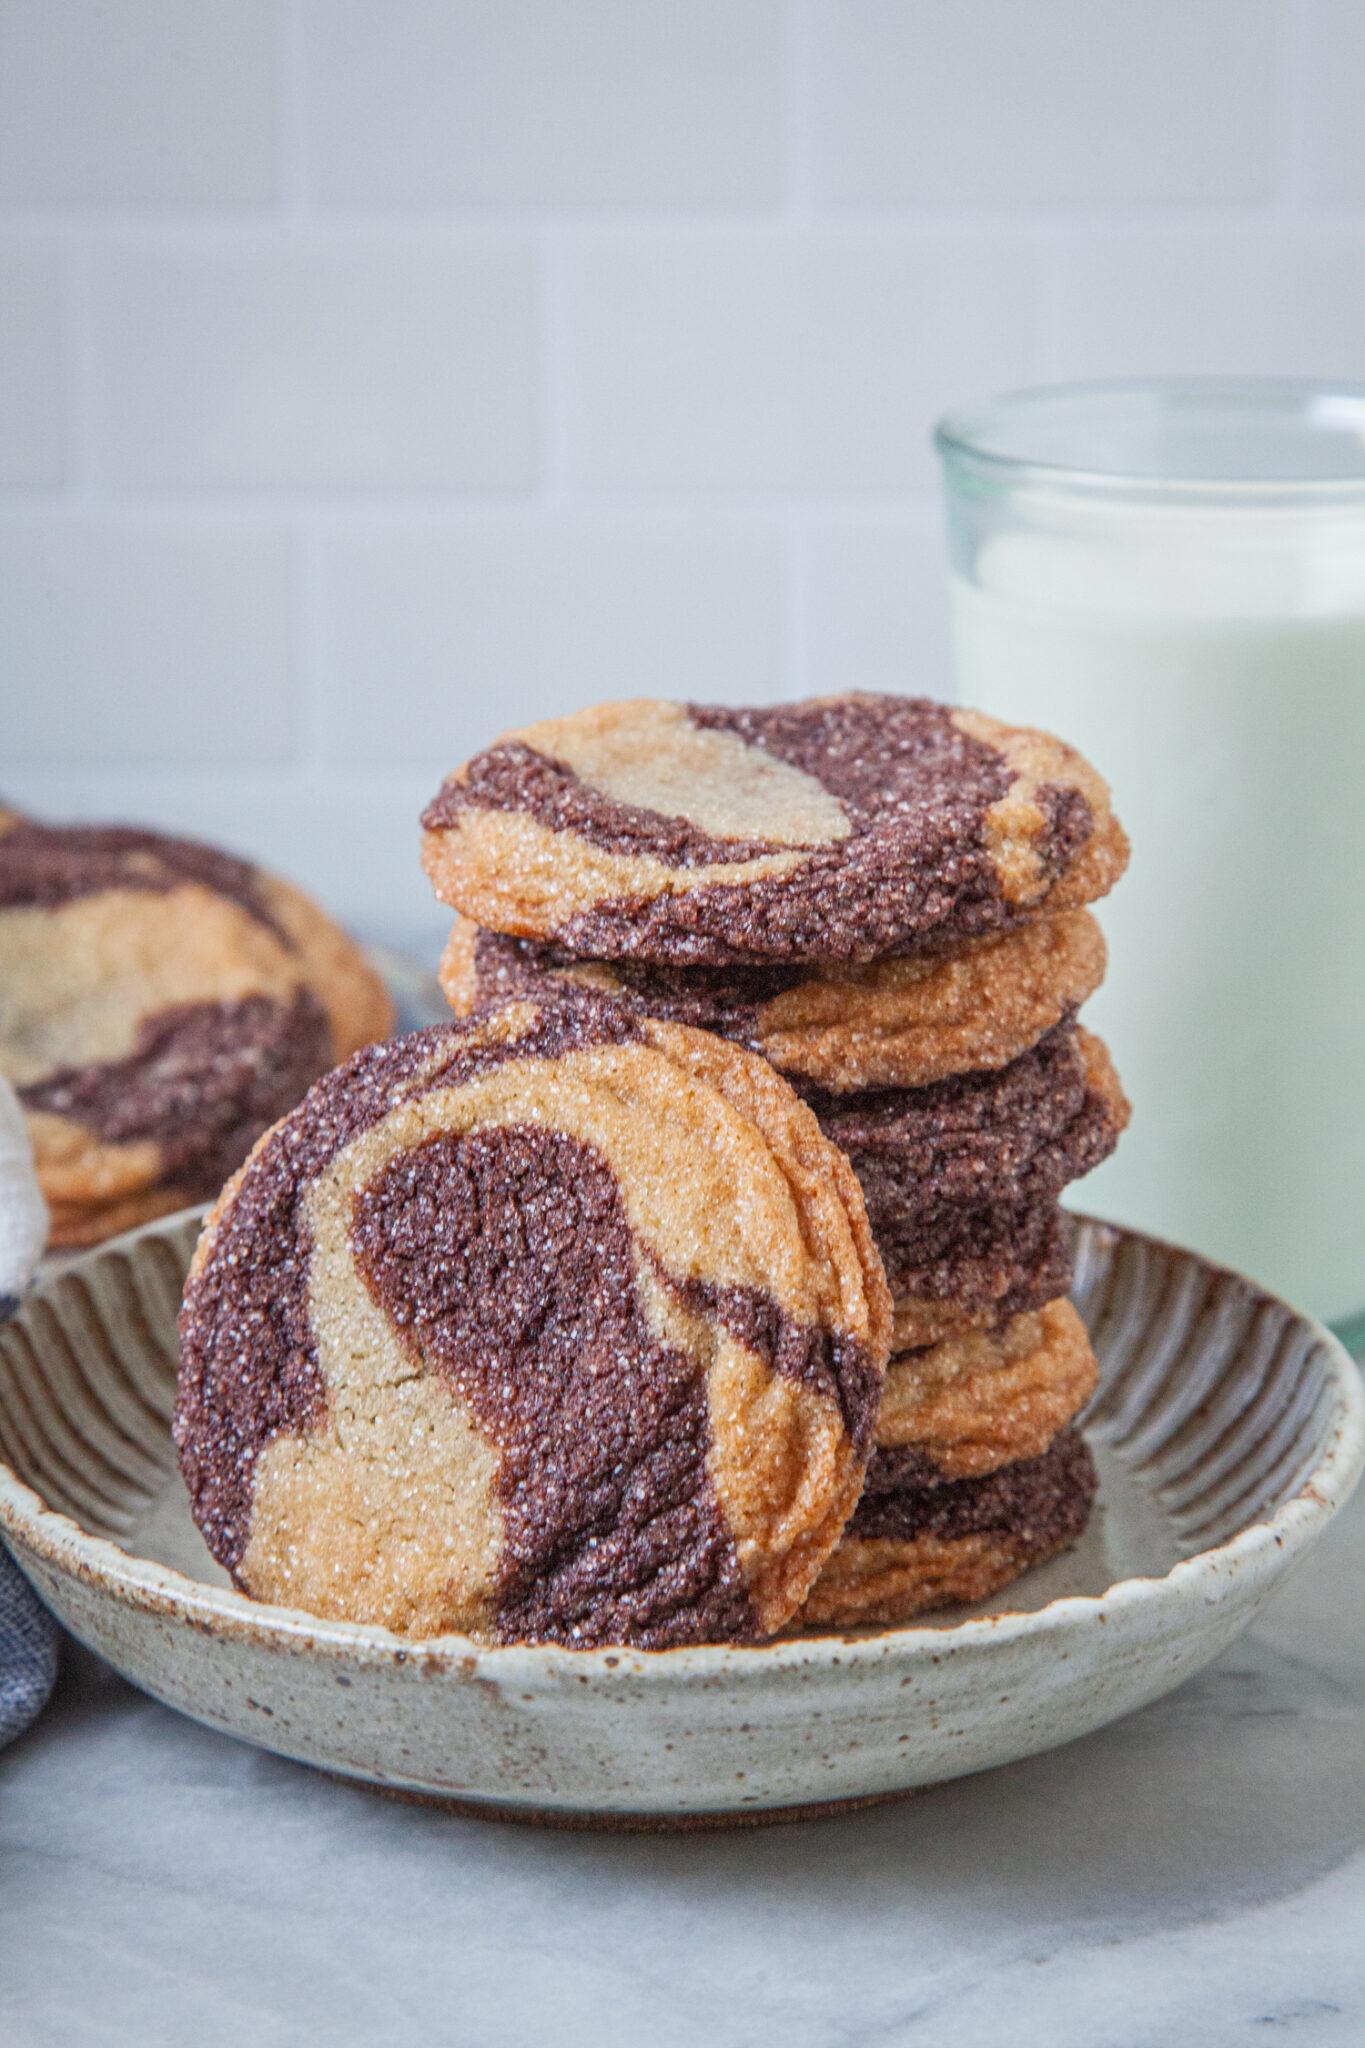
[
  {"x": 978, "y": 1472},
  {"x": 161, "y": 1003},
  {"x": 556, "y": 1326},
  {"x": 926, "y": 1546},
  {"x": 23, "y": 1213},
  {"x": 982, "y": 1398},
  {"x": 961, "y": 1179},
  {"x": 961, "y": 1176},
  {"x": 1003, "y": 1263},
  {"x": 902, "y": 1022},
  {"x": 839, "y": 829},
  {"x": 1018, "y": 1134}
]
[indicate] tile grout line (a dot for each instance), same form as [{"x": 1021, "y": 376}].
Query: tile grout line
[
  {"x": 797, "y": 32},
  {"x": 662, "y": 506},
  {"x": 303, "y": 540},
  {"x": 554, "y": 372},
  {"x": 294, "y": 103},
  {"x": 80, "y": 493},
  {"x": 665, "y": 227},
  {"x": 1290, "y": 132}
]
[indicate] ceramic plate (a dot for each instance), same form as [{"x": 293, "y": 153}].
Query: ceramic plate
[
  {"x": 1228, "y": 1429},
  {"x": 416, "y": 992}
]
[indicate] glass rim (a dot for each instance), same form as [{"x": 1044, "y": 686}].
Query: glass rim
[{"x": 959, "y": 437}]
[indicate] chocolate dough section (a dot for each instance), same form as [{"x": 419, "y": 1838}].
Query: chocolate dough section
[
  {"x": 43, "y": 866},
  {"x": 727, "y": 1000},
  {"x": 1039, "y": 1503},
  {"x": 961, "y": 1178},
  {"x": 234, "y": 1397},
  {"x": 1001, "y": 1139},
  {"x": 1006, "y": 1261},
  {"x": 506, "y": 1258},
  {"x": 203, "y": 1081},
  {"x": 916, "y": 791}
]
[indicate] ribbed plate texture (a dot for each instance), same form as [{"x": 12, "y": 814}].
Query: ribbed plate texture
[{"x": 1227, "y": 1429}]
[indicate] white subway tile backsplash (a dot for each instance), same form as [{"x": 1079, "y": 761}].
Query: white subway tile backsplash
[
  {"x": 130, "y": 641},
  {"x": 167, "y": 102},
  {"x": 754, "y": 362},
  {"x": 441, "y": 633},
  {"x": 1162, "y": 301},
  {"x": 871, "y": 599},
  {"x": 972, "y": 103},
  {"x": 1330, "y": 125},
  {"x": 613, "y": 103},
  {"x": 33, "y": 439},
  {"x": 308, "y": 360},
  {"x": 352, "y": 841},
  {"x": 379, "y": 374}
]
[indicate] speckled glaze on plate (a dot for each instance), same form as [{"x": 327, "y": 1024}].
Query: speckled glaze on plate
[{"x": 1228, "y": 1430}]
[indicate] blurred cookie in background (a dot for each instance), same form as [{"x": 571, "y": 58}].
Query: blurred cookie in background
[{"x": 161, "y": 1004}]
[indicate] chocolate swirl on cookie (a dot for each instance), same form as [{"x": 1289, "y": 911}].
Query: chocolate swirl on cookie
[
  {"x": 46, "y": 865},
  {"x": 906, "y": 1021},
  {"x": 479, "y": 1339},
  {"x": 1042, "y": 1503},
  {"x": 162, "y": 1002},
  {"x": 839, "y": 829},
  {"x": 203, "y": 1082},
  {"x": 935, "y": 1545}
]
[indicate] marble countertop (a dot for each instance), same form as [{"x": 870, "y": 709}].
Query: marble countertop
[{"x": 1193, "y": 1875}]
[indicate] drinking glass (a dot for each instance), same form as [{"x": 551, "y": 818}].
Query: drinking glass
[{"x": 1171, "y": 575}]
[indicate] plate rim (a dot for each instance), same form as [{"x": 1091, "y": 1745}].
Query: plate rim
[{"x": 63, "y": 1544}]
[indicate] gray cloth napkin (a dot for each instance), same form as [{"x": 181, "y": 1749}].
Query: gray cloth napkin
[
  {"x": 28, "y": 1651},
  {"x": 28, "y": 1634}
]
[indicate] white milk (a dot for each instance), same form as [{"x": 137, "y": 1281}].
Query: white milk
[{"x": 1221, "y": 691}]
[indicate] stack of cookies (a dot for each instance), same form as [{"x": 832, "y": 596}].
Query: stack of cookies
[{"x": 884, "y": 897}]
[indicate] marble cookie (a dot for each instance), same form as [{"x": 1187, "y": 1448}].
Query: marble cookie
[
  {"x": 961, "y": 1178},
  {"x": 903, "y": 1022},
  {"x": 557, "y": 1326},
  {"x": 957, "y": 1541},
  {"x": 161, "y": 1003},
  {"x": 983, "y": 1398},
  {"x": 1001, "y": 1263},
  {"x": 977, "y": 1474},
  {"x": 840, "y": 829}
]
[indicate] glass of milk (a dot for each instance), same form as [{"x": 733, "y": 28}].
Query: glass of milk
[{"x": 1171, "y": 575}]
